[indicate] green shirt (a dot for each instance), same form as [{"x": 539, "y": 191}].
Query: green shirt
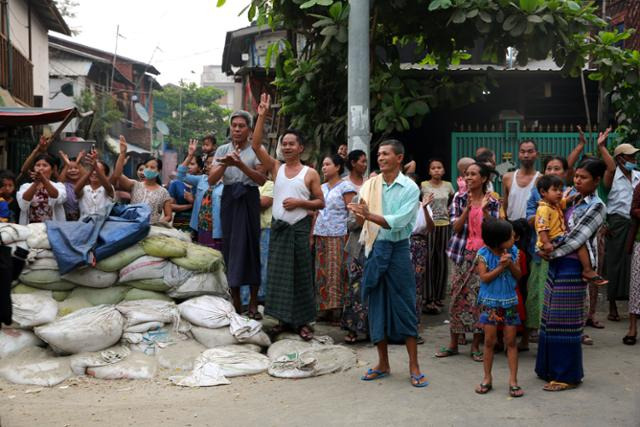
[{"x": 400, "y": 203}]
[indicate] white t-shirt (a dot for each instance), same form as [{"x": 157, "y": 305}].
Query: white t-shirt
[{"x": 94, "y": 201}]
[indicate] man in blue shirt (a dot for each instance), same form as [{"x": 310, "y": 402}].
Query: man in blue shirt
[{"x": 388, "y": 208}]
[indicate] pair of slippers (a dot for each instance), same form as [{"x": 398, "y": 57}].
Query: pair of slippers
[{"x": 374, "y": 374}]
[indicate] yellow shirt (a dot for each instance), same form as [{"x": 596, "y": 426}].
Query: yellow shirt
[
  {"x": 551, "y": 219},
  {"x": 266, "y": 190}
]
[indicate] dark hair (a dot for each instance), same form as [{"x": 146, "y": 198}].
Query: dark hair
[
  {"x": 353, "y": 157},
  {"x": 157, "y": 160},
  {"x": 342, "y": 143},
  {"x": 522, "y": 231},
  {"x": 549, "y": 159},
  {"x": 485, "y": 156},
  {"x": 210, "y": 137},
  {"x": 47, "y": 158},
  {"x": 485, "y": 172},
  {"x": 7, "y": 174},
  {"x": 200, "y": 162},
  {"x": 434, "y": 159},
  {"x": 107, "y": 169},
  {"x": 338, "y": 161},
  {"x": 528, "y": 141},
  {"x": 547, "y": 181},
  {"x": 297, "y": 134},
  {"x": 595, "y": 167},
  {"x": 495, "y": 232},
  {"x": 140, "y": 164},
  {"x": 395, "y": 145}
]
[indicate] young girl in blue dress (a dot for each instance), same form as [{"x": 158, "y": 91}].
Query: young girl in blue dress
[{"x": 499, "y": 272}]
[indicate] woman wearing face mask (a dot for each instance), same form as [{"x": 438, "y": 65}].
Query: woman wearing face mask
[
  {"x": 41, "y": 200},
  {"x": 71, "y": 173},
  {"x": 149, "y": 191}
]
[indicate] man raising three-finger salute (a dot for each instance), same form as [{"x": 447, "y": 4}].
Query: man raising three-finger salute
[{"x": 296, "y": 191}]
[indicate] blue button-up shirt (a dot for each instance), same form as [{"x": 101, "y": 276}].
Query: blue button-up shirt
[
  {"x": 201, "y": 184},
  {"x": 400, "y": 202}
]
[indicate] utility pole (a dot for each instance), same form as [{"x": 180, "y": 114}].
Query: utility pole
[
  {"x": 113, "y": 64},
  {"x": 358, "y": 132}
]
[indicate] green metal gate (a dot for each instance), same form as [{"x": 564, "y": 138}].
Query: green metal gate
[
  {"x": 505, "y": 145},
  {"x": 20, "y": 143}
]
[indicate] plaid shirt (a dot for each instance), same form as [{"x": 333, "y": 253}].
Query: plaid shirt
[
  {"x": 588, "y": 216},
  {"x": 458, "y": 241}
]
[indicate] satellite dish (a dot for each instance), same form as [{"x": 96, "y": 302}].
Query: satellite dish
[
  {"x": 162, "y": 127},
  {"x": 142, "y": 112}
]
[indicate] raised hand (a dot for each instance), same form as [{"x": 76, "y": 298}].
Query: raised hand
[
  {"x": 80, "y": 156},
  {"x": 64, "y": 157},
  {"x": 265, "y": 104},
  {"x": 581, "y": 139},
  {"x": 123, "y": 146},
  {"x": 44, "y": 143},
  {"x": 602, "y": 137},
  {"x": 193, "y": 147},
  {"x": 428, "y": 200}
]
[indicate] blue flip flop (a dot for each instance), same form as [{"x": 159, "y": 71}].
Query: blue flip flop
[
  {"x": 378, "y": 375},
  {"x": 417, "y": 379}
]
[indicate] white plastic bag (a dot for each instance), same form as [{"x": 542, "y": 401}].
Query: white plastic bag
[
  {"x": 157, "y": 230},
  {"x": 145, "y": 267},
  {"x": 80, "y": 362},
  {"x": 35, "y": 366},
  {"x": 11, "y": 233},
  {"x": 207, "y": 311},
  {"x": 300, "y": 359},
  {"x": 91, "y": 277},
  {"x": 180, "y": 355},
  {"x": 137, "y": 366},
  {"x": 14, "y": 340},
  {"x": 211, "y": 338},
  {"x": 201, "y": 284},
  {"x": 204, "y": 374},
  {"x": 144, "y": 311},
  {"x": 236, "y": 361},
  {"x": 34, "y": 309},
  {"x": 88, "y": 329},
  {"x": 38, "y": 238}
]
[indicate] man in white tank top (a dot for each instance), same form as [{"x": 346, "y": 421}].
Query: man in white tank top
[
  {"x": 518, "y": 185},
  {"x": 296, "y": 191}
]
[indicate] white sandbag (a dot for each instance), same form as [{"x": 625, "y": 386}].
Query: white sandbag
[
  {"x": 137, "y": 366},
  {"x": 41, "y": 254},
  {"x": 34, "y": 309},
  {"x": 141, "y": 328},
  {"x": 214, "y": 284},
  {"x": 300, "y": 359},
  {"x": 180, "y": 356},
  {"x": 121, "y": 259},
  {"x": 80, "y": 362},
  {"x": 38, "y": 238},
  {"x": 11, "y": 233},
  {"x": 88, "y": 329},
  {"x": 236, "y": 361},
  {"x": 207, "y": 311},
  {"x": 244, "y": 328},
  {"x": 157, "y": 230},
  {"x": 91, "y": 277},
  {"x": 164, "y": 247},
  {"x": 144, "y": 311},
  {"x": 175, "y": 276},
  {"x": 139, "y": 294},
  {"x": 43, "y": 264},
  {"x": 219, "y": 337},
  {"x": 145, "y": 267},
  {"x": 35, "y": 366},
  {"x": 111, "y": 295},
  {"x": 14, "y": 340},
  {"x": 156, "y": 285},
  {"x": 149, "y": 341},
  {"x": 211, "y": 338},
  {"x": 204, "y": 374}
]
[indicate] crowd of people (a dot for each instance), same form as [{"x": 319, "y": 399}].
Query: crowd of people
[{"x": 372, "y": 254}]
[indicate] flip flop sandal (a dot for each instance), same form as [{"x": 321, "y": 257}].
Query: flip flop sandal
[
  {"x": 305, "y": 333},
  {"x": 484, "y": 388},
  {"x": 415, "y": 381},
  {"x": 462, "y": 340},
  {"x": 597, "y": 280},
  {"x": 594, "y": 324},
  {"x": 587, "y": 340},
  {"x": 477, "y": 356},
  {"x": 350, "y": 339},
  {"x": 515, "y": 391},
  {"x": 629, "y": 340},
  {"x": 378, "y": 375},
  {"x": 419, "y": 340},
  {"x": 614, "y": 317},
  {"x": 558, "y": 386},
  {"x": 446, "y": 352}
]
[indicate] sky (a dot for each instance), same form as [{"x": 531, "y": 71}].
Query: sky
[{"x": 179, "y": 37}]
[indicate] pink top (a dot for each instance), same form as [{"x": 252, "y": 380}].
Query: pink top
[
  {"x": 462, "y": 184},
  {"x": 474, "y": 238}
]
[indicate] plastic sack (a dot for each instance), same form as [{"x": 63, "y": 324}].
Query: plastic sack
[
  {"x": 88, "y": 329},
  {"x": 164, "y": 247},
  {"x": 91, "y": 277},
  {"x": 121, "y": 259},
  {"x": 112, "y": 295},
  {"x": 137, "y": 366},
  {"x": 144, "y": 311},
  {"x": 35, "y": 366},
  {"x": 39, "y": 277},
  {"x": 71, "y": 305},
  {"x": 149, "y": 341},
  {"x": 40, "y": 254},
  {"x": 156, "y": 285},
  {"x": 300, "y": 359},
  {"x": 175, "y": 276},
  {"x": 236, "y": 360},
  {"x": 219, "y": 337},
  {"x": 14, "y": 340},
  {"x": 204, "y": 374},
  {"x": 80, "y": 362},
  {"x": 200, "y": 258},
  {"x": 38, "y": 236},
  {"x": 202, "y": 284},
  {"x": 157, "y": 230},
  {"x": 43, "y": 264},
  {"x": 141, "y": 328},
  {"x": 34, "y": 309},
  {"x": 11, "y": 233},
  {"x": 146, "y": 267},
  {"x": 139, "y": 294},
  {"x": 207, "y": 311},
  {"x": 180, "y": 355}
]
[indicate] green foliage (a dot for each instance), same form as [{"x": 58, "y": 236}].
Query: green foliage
[
  {"x": 105, "y": 113},
  {"x": 190, "y": 112},
  {"x": 312, "y": 83}
]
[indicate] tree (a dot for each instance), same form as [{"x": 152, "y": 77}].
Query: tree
[
  {"x": 313, "y": 80},
  {"x": 190, "y": 112},
  {"x": 67, "y": 9},
  {"x": 105, "y": 113}
]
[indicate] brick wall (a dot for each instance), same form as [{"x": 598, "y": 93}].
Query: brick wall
[{"x": 626, "y": 12}]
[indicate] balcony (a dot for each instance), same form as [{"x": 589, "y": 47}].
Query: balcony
[{"x": 16, "y": 72}]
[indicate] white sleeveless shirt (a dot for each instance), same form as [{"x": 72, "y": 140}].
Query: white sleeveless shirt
[
  {"x": 518, "y": 197},
  {"x": 283, "y": 188}
]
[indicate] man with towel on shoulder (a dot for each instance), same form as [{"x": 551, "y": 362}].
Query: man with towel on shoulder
[
  {"x": 235, "y": 163},
  {"x": 388, "y": 207},
  {"x": 291, "y": 296}
]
